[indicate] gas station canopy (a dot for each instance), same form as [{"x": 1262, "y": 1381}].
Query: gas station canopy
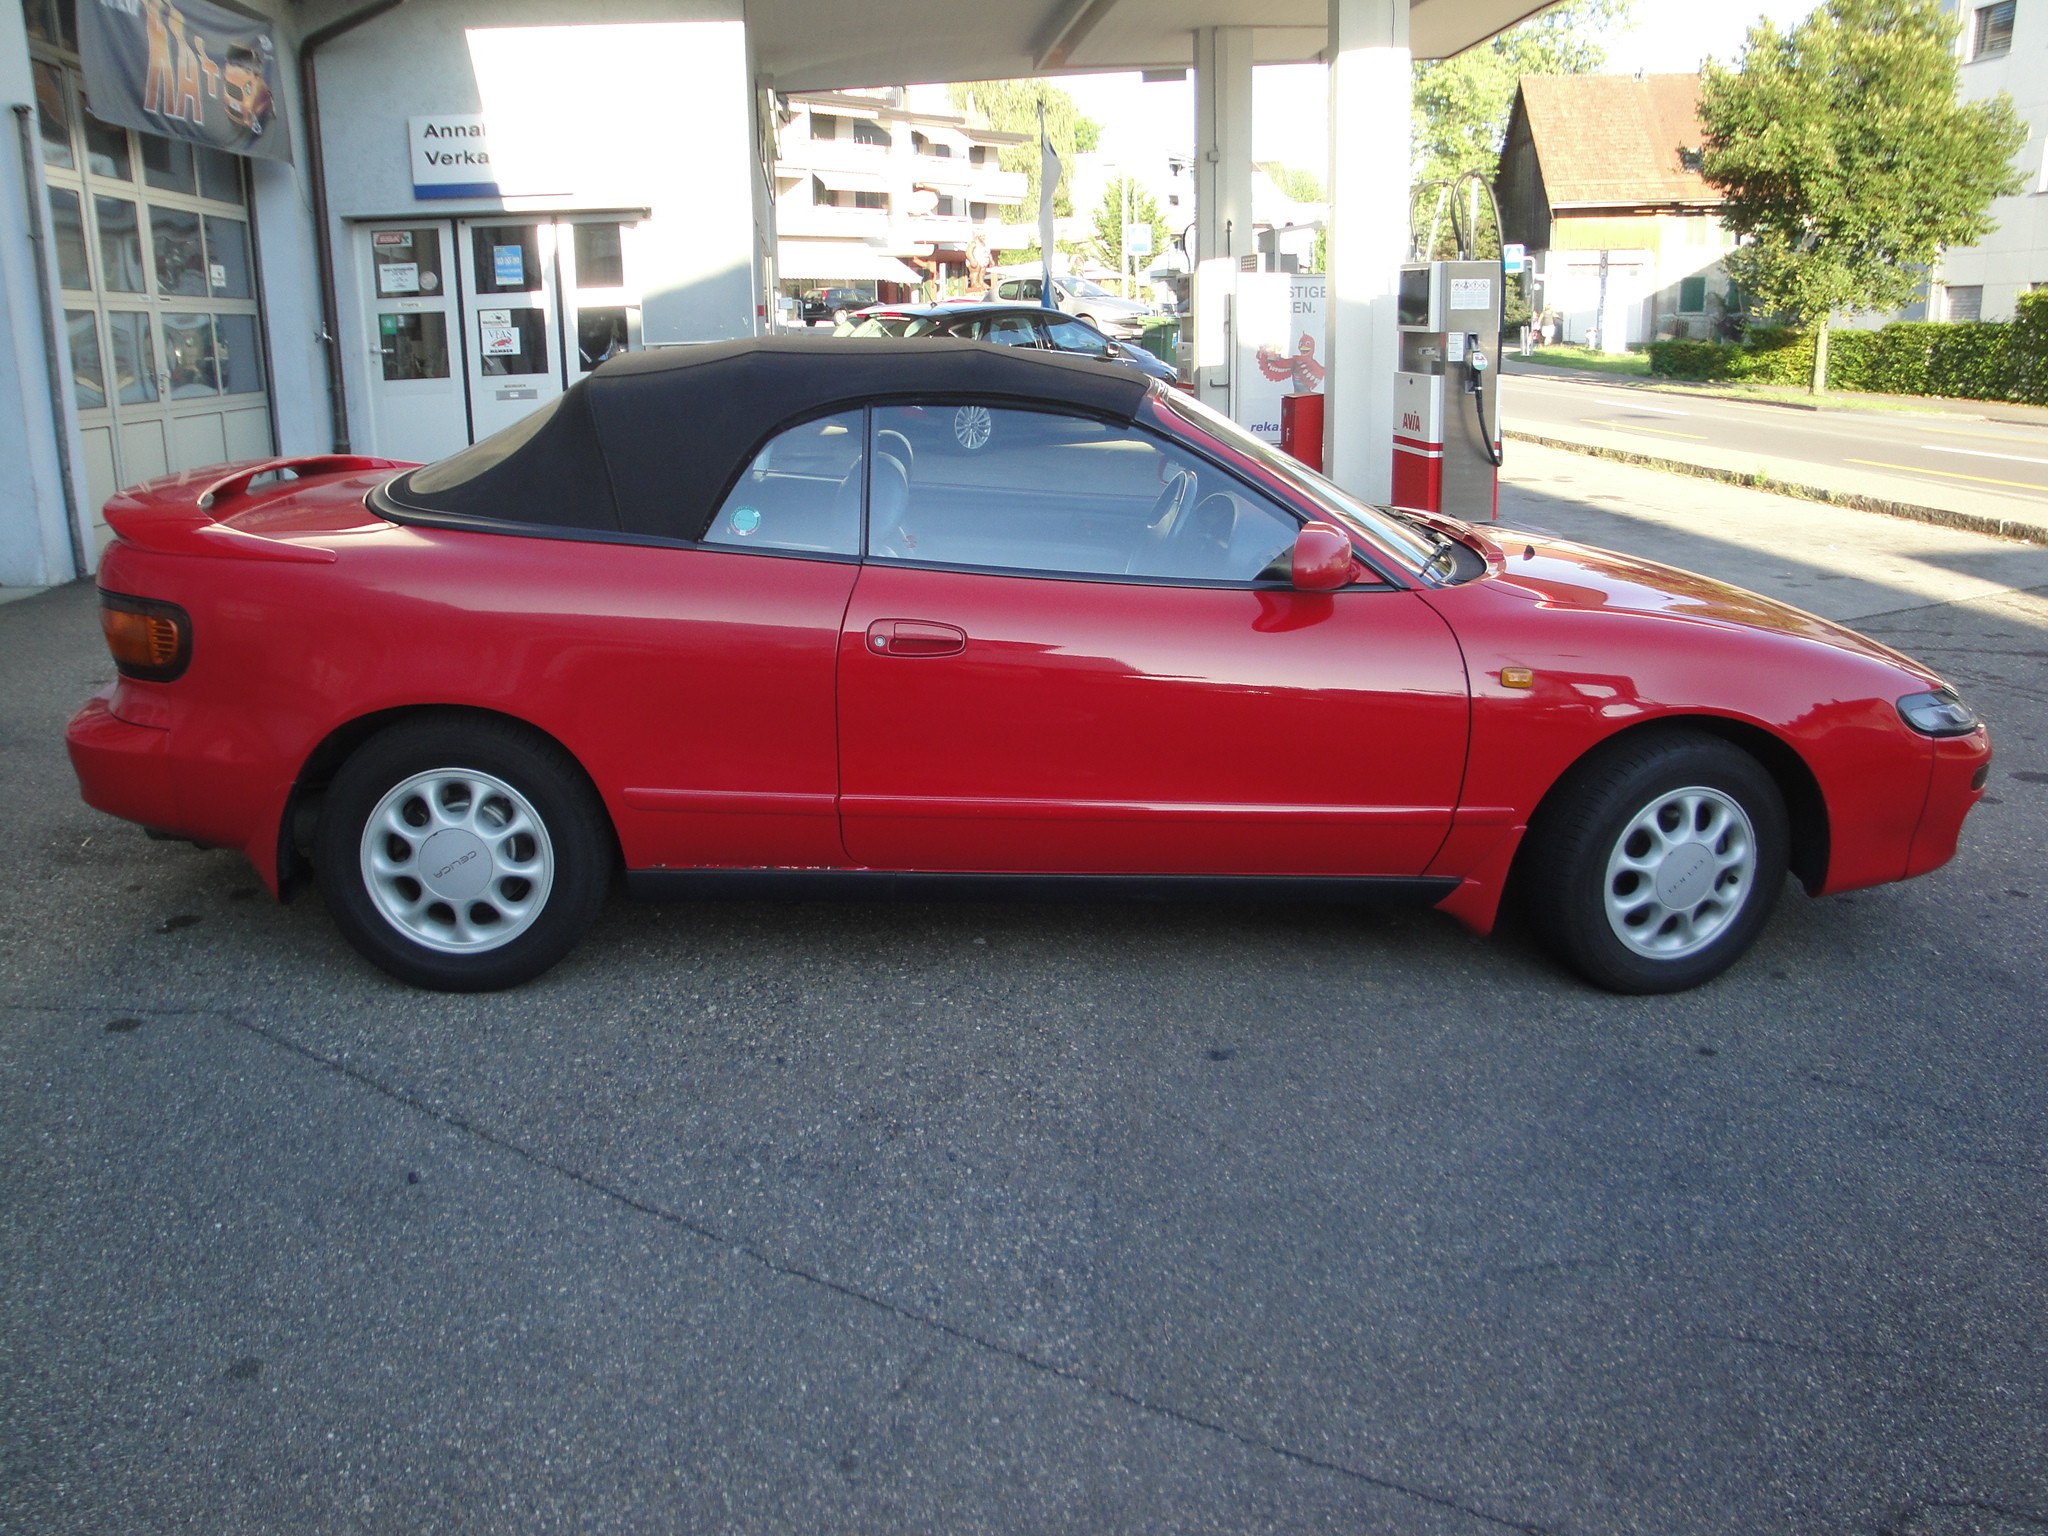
[{"x": 801, "y": 45}]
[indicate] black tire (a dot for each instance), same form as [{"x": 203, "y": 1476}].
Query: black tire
[
  {"x": 1647, "y": 839},
  {"x": 543, "y": 836}
]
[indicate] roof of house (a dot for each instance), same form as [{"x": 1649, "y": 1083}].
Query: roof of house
[{"x": 1615, "y": 140}]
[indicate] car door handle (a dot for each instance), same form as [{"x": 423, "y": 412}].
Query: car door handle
[{"x": 915, "y": 637}]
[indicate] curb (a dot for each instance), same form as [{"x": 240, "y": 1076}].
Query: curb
[{"x": 1969, "y": 522}]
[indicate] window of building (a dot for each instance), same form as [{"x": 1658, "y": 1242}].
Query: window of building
[
  {"x": 977, "y": 154},
  {"x": 991, "y": 489},
  {"x": 824, "y": 126},
  {"x": 871, "y": 200},
  {"x": 1993, "y": 32},
  {"x": 1690, "y": 159},
  {"x": 802, "y": 493},
  {"x": 977, "y": 211},
  {"x": 1964, "y": 301},
  {"x": 865, "y": 132},
  {"x": 1692, "y": 294}
]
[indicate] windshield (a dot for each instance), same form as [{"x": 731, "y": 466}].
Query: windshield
[
  {"x": 878, "y": 325},
  {"x": 1086, "y": 289},
  {"x": 1413, "y": 547}
]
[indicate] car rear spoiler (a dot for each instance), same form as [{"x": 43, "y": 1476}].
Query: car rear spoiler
[{"x": 184, "y": 514}]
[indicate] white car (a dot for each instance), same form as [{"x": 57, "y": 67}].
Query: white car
[{"x": 1121, "y": 318}]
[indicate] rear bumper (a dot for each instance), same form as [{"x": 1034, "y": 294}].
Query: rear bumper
[
  {"x": 123, "y": 769},
  {"x": 1961, "y": 765}
]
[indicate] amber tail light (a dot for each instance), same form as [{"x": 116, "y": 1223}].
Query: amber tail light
[{"x": 150, "y": 640}]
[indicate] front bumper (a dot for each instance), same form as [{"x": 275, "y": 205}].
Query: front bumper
[{"x": 1961, "y": 766}]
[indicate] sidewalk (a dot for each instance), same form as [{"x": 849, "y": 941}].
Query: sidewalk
[
  {"x": 1791, "y": 397},
  {"x": 1986, "y": 510}
]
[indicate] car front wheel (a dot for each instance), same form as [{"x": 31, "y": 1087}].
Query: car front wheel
[
  {"x": 462, "y": 856},
  {"x": 1655, "y": 865}
]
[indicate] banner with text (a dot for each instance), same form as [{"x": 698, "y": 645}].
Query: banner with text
[
  {"x": 186, "y": 69},
  {"x": 1278, "y": 321}
]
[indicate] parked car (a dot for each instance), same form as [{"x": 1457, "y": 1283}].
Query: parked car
[
  {"x": 1009, "y": 325},
  {"x": 1119, "y": 317},
  {"x": 789, "y": 614},
  {"x": 827, "y": 306}
]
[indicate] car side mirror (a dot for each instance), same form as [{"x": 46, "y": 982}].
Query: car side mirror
[{"x": 1322, "y": 558}]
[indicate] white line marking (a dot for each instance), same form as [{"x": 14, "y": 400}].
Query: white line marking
[
  {"x": 1979, "y": 453},
  {"x": 1633, "y": 405}
]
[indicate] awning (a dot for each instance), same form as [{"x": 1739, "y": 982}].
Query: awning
[
  {"x": 826, "y": 260},
  {"x": 853, "y": 181}
]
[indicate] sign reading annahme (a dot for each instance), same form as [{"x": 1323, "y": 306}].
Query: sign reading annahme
[
  {"x": 186, "y": 69},
  {"x": 451, "y": 156}
]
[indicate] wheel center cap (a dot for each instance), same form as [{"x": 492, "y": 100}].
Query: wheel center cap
[
  {"x": 454, "y": 864},
  {"x": 1686, "y": 875}
]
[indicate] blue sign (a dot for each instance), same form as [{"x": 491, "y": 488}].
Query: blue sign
[
  {"x": 1513, "y": 258},
  {"x": 510, "y": 261}
]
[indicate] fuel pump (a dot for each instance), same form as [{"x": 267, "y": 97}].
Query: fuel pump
[{"x": 1447, "y": 392}]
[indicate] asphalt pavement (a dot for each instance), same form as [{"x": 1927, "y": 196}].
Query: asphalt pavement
[
  {"x": 1975, "y": 469},
  {"x": 992, "y": 1217}
]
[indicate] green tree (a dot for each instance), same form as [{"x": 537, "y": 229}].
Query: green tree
[
  {"x": 1846, "y": 161},
  {"x": 1011, "y": 106},
  {"x": 1295, "y": 183},
  {"x": 1461, "y": 104},
  {"x": 1124, "y": 201}
]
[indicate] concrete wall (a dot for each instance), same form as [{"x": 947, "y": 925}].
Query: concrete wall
[
  {"x": 35, "y": 540},
  {"x": 1650, "y": 255},
  {"x": 639, "y": 103},
  {"x": 2015, "y": 255}
]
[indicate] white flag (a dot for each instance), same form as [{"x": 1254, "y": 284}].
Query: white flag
[{"x": 1048, "y": 183}]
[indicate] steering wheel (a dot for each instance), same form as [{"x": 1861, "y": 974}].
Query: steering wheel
[
  {"x": 1199, "y": 543},
  {"x": 1160, "y": 521}
]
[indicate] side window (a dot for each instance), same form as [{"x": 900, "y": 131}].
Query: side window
[
  {"x": 990, "y": 488},
  {"x": 801, "y": 494},
  {"x": 1073, "y": 336},
  {"x": 1010, "y": 331}
]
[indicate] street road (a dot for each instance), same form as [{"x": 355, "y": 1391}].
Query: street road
[
  {"x": 991, "y": 1217},
  {"x": 1987, "y": 457}
]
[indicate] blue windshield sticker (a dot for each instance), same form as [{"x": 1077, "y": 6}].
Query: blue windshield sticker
[{"x": 745, "y": 520}]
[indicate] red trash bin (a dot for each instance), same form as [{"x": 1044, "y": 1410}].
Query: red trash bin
[{"x": 1301, "y": 428}]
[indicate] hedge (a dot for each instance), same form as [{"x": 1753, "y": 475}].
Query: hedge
[{"x": 1963, "y": 360}]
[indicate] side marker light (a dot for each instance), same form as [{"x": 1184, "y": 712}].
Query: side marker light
[{"x": 1517, "y": 677}]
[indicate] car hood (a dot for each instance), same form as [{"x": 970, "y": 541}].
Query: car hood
[{"x": 1561, "y": 574}]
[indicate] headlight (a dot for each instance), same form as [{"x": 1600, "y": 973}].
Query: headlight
[{"x": 1939, "y": 713}]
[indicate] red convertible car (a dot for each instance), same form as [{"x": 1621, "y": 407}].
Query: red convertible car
[{"x": 811, "y": 615}]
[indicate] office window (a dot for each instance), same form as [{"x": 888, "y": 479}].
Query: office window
[
  {"x": 1993, "y": 33},
  {"x": 1964, "y": 301}
]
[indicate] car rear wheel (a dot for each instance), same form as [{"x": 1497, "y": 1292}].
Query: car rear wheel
[
  {"x": 462, "y": 855},
  {"x": 1655, "y": 865}
]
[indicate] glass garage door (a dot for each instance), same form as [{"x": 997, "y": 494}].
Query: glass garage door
[{"x": 157, "y": 264}]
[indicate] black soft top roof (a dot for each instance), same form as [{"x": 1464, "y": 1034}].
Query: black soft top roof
[{"x": 648, "y": 444}]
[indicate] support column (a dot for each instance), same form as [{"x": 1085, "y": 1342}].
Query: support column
[
  {"x": 1370, "y": 91},
  {"x": 1223, "y": 176}
]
